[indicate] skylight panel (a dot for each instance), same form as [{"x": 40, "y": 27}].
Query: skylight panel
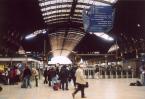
[
  {"x": 77, "y": 19},
  {"x": 84, "y": 1},
  {"x": 82, "y": 6},
  {"x": 100, "y": 3},
  {"x": 111, "y": 1},
  {"x": 53, "y": 2},
  {"x": 56, "y": 19},
  {"x": 57, "y": 11},
  {"x": 77, "y": 10},
  {"x": 79, "y": 15},
  {"x": 60, "y": 15}
]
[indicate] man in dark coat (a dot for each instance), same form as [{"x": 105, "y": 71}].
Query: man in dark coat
[
  {"x": 64, "y": 76},
  {"x": 27, "y": 75}
]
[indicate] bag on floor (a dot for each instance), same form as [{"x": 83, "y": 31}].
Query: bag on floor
[
  {"x": 138, "y": 83},
  {"x": 55, "y": 86},
  {"x": 132, "y": 84}
]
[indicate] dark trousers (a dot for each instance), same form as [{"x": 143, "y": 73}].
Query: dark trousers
[
  {"x": 81, "y": 88},
  {"x": 36, "y": 81},
  {"x": 45, "y": 80},
  {"x": 49, "y": 82},
  {"x": 74, "y": 81},
  {"x": 28, "y": 82},
  {"x": 64, "y": 83}
]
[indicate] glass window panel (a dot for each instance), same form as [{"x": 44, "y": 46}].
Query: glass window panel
[
  {"x": 95, "y": 2},
  {"x": 57, "y": 11},
  {"x": 60, "y": 6},
  {"x": 45, "y": 9},
  {"x": 53, "y": 2},
  {"x": 111, "y": 1},
  {"x": 80, "y": 15},
  {"x": 77, "y": 19},
  {"x": 53, "y": 7},
  {"x": 84, "y": 1},
  {"x": 99, "y": 3},
  {"x": 60, "y": 15},
  {"x": 83, "y": 6},
  {"x": 56, "y": 19},
  {"x": 78, "y": 10}
]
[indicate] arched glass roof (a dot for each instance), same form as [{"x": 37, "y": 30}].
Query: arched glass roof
[
  {"x": 63, "y": 10},
  {"x": 66, "y": 11}
]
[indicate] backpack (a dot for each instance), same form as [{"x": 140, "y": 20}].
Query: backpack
[
  {"x": 132, "y": 84},
  {"x": 138, "y": 83}
]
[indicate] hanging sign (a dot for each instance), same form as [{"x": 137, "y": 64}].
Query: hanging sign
[{"x": 98, "y": 18}]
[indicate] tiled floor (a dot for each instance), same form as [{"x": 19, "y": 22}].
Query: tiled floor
[{"x": 98, "y": 89}]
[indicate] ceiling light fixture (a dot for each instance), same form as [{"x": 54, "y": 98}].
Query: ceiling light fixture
[
  {"x": 30, "y": 36},
  {"x": 104, "y": 36},
  {"x": 35, "y": 33}
]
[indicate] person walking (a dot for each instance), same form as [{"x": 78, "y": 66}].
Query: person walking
[
  {"x": 45, "y": 74},
  {"x": 35, "y": 74},
  {"x": 26, "y": 76},
  {"x": 80, "y": 81},
  {"x": 73, "y": 77}
]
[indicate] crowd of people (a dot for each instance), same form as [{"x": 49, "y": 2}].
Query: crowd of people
[
  {"x": 57, "y": 77},
  {"x": 13, "y": 75},
  {"x": 62, "y": 75}
]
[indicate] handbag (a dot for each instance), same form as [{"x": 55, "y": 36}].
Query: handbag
[{"x": 87, "y": 85}]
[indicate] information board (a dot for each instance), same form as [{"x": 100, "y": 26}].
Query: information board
[{"x": 98, "y": 18}]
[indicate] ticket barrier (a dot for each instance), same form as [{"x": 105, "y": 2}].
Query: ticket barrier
[
  {"x": 129, "y": 74},
  {"x": 108, "y": 74},
  {"x": 89, "y": 73}
]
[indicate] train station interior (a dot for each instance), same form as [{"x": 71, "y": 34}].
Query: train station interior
[{"x": 45, "y": 43}]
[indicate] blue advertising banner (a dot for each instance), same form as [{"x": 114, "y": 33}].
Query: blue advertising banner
[{"x": 98, "y": 18}]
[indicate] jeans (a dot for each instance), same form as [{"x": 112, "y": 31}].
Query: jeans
[{"x": 28, "y": 83}]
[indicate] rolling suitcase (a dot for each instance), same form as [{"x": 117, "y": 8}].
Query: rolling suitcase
[{"x": 55, "y": 87}]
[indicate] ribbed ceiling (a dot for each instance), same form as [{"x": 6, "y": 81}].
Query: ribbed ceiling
[{"x": 70, "y": 11}]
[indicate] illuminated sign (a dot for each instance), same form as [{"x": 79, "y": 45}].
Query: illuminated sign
[{"x": 98, "y": 18}]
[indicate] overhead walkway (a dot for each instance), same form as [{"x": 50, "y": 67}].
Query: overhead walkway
[{"x": 98, "y": 89}]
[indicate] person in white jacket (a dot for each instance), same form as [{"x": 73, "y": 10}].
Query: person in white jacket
[{"x": 80, "y": 81}]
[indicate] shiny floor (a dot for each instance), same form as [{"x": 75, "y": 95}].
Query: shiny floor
[{"x": 98, "y": 89}]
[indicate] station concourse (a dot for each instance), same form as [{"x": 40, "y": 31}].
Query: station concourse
[
  {"x": 98, "y": 89},
  {"x": 52, "y": 48}
]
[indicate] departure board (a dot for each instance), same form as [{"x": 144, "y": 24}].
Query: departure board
[{"x": 98, "y": 18}]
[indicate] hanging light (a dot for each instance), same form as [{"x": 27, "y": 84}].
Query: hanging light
[
  {"x": 35, "y": 33},
  {"x": 30, "y": 36},
  {"x": 104, "y": 36}
]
